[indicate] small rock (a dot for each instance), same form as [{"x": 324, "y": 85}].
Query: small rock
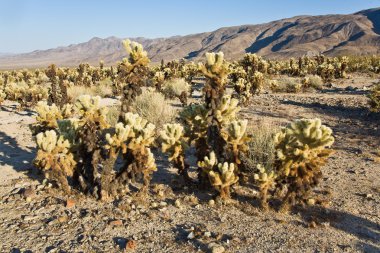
[
  {"x": 211, "y": 202},
  {"x": 350, "y": 88},
  {"x": 63, "y": 219},
  {"x": 311, "y": 202},
  {"x": 154, "y": 205},
  {"x": 29, "y": 217},
  {"x": 70, "y": 203},
  {"x": 216, "y": 248},
  {"x": 163, "y": 204},
  {"x": 207, "y": 234},
  {"x": 369, "y": 196},
  {"x": 191, "y": 236},
  {"x": 28, "y": 194},
  {"x": 116, "y": 223},
  {"x": 177, "y": 203},
  {"x": 131, "y": 245},
  {"x": 312, "y": 224}
]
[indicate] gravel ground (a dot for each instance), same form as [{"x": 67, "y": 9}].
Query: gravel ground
[{"x": 36, "y": 218}]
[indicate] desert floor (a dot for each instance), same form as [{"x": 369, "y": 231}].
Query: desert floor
[{"x": 36, "y": 218}]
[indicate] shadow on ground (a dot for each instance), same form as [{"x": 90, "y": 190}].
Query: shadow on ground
[
  {"x": 362, "y": 228},
  {"x": 19, "y": 159}
]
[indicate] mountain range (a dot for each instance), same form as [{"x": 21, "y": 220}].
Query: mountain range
[{"x": 332, "y": 35}]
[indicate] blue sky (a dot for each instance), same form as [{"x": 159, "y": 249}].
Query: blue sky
[{"x": 27, "y": 25}]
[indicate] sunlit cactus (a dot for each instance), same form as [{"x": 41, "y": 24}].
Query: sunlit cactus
[
  {"x": 302, "y": 149},
  {"x": 374, "y": 97},
  {"x": 54, "y": 158},
  {"x": 216, "y": 69},
  {"x": 89, "y": 109},
  {"x": 266, "y": 181},
  {"x": 236, "y": 137},
  {"x": 174, "y": 143},
  {"x": 132, "y": 73},
  {"x": 223, "y": 178},
  {"x": 47, "y": 117}
]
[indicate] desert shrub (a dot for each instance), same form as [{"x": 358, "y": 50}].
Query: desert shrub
[
  {"x": 261, "y": 148},
  {"x": 287, "y": 84},
  {"x": 113, "y": 114},
  {"x": 152, "y": 106},
  {"x": 76, "y": 91},
  {"x": 312, "y": 81},
  {"x": 175, "y": 87}
]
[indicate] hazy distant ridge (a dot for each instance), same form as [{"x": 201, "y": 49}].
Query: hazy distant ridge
[{"x": 352, "y": 34}]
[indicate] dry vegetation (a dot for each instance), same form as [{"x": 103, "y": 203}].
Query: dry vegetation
[{"x": 106, "y": 152}]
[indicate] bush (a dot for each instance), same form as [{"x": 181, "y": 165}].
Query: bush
[
  {"x": 174, "y": 88},
  {"x": 313, "y": 81},
  {"x": 261, "y": 148},
  {"x": 152, "y": 106},
  {"x": 102, "y": 90},
  {"x": 287, "y": 84}
]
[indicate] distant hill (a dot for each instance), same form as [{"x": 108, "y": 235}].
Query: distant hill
[{"x": 353, "y": 34}]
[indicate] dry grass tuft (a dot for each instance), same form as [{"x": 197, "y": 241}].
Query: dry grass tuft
[
  {"x": 261, "y": 146},
  {"x": 101, "y": 89},
  {"x": 152, "y": 106},
  {"x": 174, "y": 88}
]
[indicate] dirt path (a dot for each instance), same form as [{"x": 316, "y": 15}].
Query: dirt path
[{"x": 350, "y": 222}]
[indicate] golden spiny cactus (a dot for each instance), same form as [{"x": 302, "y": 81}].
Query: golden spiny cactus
[
  {"x": 2, "y": 96},
  {"x": 374, "y": 97},
  {"x": 266, "y": 181},
  {"x": 54, "y": 157},
  {"x": 173, "y": 143},
  {"x": 223, "y": 178},
  {"x": 235, "y": 136},
  {"x": 226, "y": 111},
  {"x": 302, "y": 149},
  {"x": 89, "y": 109},
  {"x": 137, "y": 55},
  {"x": 221, "y": 175},
  {"x": 215, "y": 68},
  {"x": 47, "y": 116}
]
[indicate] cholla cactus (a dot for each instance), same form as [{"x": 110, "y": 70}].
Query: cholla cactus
[
  {"x": 223, "y": 178},
  {"x": 374, "y": 97},
  {"x": 54, "y": 158},
  {"x": 216, "y": 69},
  {"x": 133, "y": 138},
  {"x": 58, "y": 92},
  {"x": 89, "y": 110},
  {"x": 132, "y": 72},
  {"x": 2, "y": 96},
  {"x": 302, "y": 148},
  {"x": 266, "y": 181},
  {"x": 226, "y": 111},
  {"x": 235, "y": 136},
  {"x": 257, "y": 82},
  {"x": 47, "y": 117},
  {"x": 174, "y": 143},
  {"x": 137, "y": 55}
]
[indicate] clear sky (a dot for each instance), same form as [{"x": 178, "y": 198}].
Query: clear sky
[{"x": 27, "y": 25}]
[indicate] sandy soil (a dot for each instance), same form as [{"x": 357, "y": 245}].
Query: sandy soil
[{"x": 36, "y": 218}]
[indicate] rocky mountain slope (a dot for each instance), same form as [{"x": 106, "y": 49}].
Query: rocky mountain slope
[{"x": 352, "y": 34}]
